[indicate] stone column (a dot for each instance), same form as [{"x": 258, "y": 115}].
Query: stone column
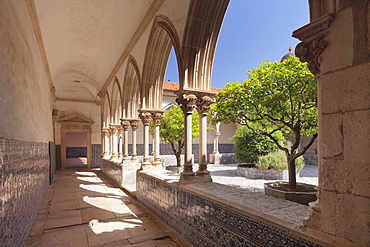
[
  {"x": 157, "y": 117},
  {"x": 114, "y": 131},
  {"x": 188, "y": 104},
  {"x": 215, "y": 155},
  {"x": 125, "y": 125},
  {"x": 145, "y": 118},
  {"x": 120, "y": 132},
  {"x": 134, "y": 125},
  {"x": 110, "y": 133},
  {"x": 203, "y": 104},
  {"x": 106, "y": 147}
]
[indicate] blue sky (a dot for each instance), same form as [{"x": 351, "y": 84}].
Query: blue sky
[{"x": 252, "y": 32}]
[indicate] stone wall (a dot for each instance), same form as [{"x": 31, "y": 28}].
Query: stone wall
[
  {"x": 26, "y": 105},
  {"x": 24, "y": 171},
  {"x": 26, "y": 102},
  {"x": 343, "y": 209}
]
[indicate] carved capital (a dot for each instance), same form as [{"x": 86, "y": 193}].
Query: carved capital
[
  {"x": 187, "y": 102},
  {"x": 313, "y": 43},
  {"x": 204, "y": 103},
  {"x": 125, "y": 124},
  {"x": 105, "y": 130},
  {"x": 157, "y": 117},
  {"x": 114, "y": 128},
  {"x": 311, "y": 53},
  {"x": 134, "y": 124},
  {"x": 145, "y": 117}
]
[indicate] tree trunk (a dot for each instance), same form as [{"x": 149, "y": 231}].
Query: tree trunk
[
  {"x": 292, "y": 172},
  {"x": 178, "y": 158}
]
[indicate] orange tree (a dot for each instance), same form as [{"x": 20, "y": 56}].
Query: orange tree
[{"x": 277, "y": 96}]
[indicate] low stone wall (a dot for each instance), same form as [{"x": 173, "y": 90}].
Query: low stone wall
[
  {"x": 211, "y": 214},
  {"x": 124, "y": 175},
  {"x": 254, "y": 173}
]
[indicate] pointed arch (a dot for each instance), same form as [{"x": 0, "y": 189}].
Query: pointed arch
[
  {"x": 162, "y": 38},
  {"x": 106, "y": 111},
  {"x": 116, "y": 102},
  {"x": 202, "y": 29},
  {"x": 131, "y": 89}
]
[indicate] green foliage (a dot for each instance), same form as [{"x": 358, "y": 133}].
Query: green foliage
[
  {"x": 172, "y": 129},
  {"x": 248, "y": 146},
  {"x": 277, "y": 160},
  {"x": 277, "y": 96}
]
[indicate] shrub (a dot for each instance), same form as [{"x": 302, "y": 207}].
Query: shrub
[
  {"x": 248, "y": 146},
  {"x": 277, "y": 160}
]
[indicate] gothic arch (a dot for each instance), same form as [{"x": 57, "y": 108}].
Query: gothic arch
[
  {"x": 202, "y": 29},
  {"x": 106, "y": 111},
  {"x": 116, "y": 102},
  {"x": 162, "y": 37},
  {"x": 131, "y": 89}
]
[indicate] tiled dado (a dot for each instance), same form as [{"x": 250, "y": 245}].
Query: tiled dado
[
  {"x": 205, "y": 223},
  {"x": 96, "y": 155},
  {"x": 113, "y": 171},
  {"x": 72, "y": 152},
  {"x": 24, "y": 176}
]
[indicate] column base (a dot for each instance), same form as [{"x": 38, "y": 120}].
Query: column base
[
  {"x": 150, "y": 166},
  {"x": 215, "y": 158},
  {"x": 157, "y": 164},
  {"x": 107, "y": 157},
  {"x": 313, "y": 216},
  {"x": 195, "y": 178},
  {"x": 134, "y": 157}
]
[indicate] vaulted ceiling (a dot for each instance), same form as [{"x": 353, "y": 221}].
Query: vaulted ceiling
[{"x": 84, "y": 39}]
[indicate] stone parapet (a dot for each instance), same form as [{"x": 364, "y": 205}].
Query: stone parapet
[{"x": 211, "y": 214}]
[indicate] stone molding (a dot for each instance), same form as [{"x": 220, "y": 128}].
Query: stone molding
[{"x": 313, "y": 44}]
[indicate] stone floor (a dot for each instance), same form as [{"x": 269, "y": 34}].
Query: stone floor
[{"x": 83, "y": 208}]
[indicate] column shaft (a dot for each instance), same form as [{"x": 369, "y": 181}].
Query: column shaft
[
  {"x": 120, "y": 131},
  {"x": 203, "y": 104},
  {"x": 188, "y": 104},
  {"x": 157, "y": 117},
  {"x": 134, "y": 126},
  {"x": 145, "y": 118},
  {"x": 125, "y": 125}
]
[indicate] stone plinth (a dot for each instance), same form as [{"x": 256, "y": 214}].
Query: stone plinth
[{"x": 302, "y": 197}]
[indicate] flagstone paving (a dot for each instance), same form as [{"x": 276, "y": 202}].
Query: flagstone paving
[{"x": 84, "y": 208}]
